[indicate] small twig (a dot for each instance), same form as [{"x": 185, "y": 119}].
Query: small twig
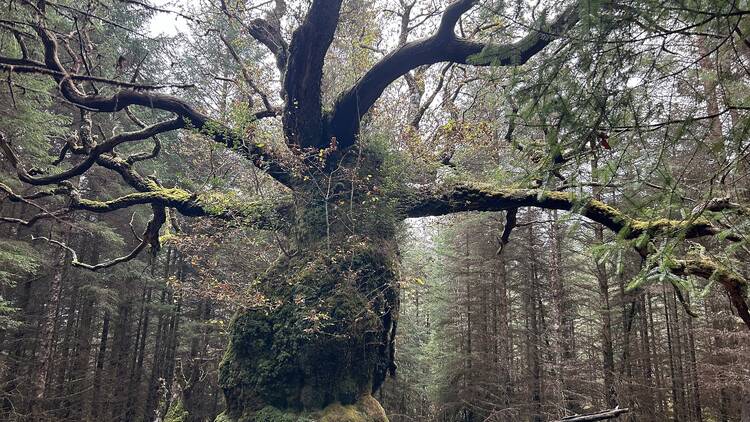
[
  {"x": 76, "y": 77},
  {"x": 76, "y": 263},
  {"x": 132, "y": 229}
]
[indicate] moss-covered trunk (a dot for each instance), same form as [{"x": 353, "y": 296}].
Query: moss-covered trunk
[{"x": 321, "y": 344}]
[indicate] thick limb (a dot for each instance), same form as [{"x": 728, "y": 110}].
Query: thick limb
[
  {"x": 477, "y": 197},
  {"x": 303, "y": 125},
  {"x": 442, "y": 46}
]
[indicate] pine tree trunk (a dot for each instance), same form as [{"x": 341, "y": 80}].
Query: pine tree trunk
[
  {"x": 608, "y": 355},
  {"x": 157, "y": 356},
  {"x": 647, "y": 403},
  {"x": 682, "y": 409},
  {"x": 136, "y": 372},
  {"x": 697, "y": 407},
  {"x": 68, "y": 317},
  {"x": 46, "y": 337},
  {"x": 711, "y": 96},
  {"x": 676, "y": 392},
  {"x": 658, "y": 372},
  {"x": 602, "y": 277},
  {"x": 533, "y": 334},
  {"x": 468, "y": 376},
  {"x": 118, "y": 370},
  {"x": 561, "y": 349},
  {"x": 98, "y": 406},
  {"x": 745, "y": 412},
  {"x": 505, "y": 337},
  {"x": 78, "y": 377}
]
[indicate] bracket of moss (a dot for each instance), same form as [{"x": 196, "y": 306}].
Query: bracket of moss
[
  {"x": 367, "y": 409},
  {"x": 164, "y": 239},
  {"x": 735, "y": 286},
  {"x": 663, "y": 225}
]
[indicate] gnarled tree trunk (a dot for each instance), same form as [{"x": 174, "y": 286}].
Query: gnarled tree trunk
[{"x": 320, "y": 343}]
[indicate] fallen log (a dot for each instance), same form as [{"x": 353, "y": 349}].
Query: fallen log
[{"x": 599, "y": 416}]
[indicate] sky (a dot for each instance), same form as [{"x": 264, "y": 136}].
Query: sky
[{"x": 168, "y": 23}]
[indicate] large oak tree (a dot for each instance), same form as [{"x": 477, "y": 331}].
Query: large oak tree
[{"x": 326, "y": 336}]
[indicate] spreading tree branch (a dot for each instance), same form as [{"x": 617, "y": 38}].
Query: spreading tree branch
[
  {"x": 442, "y": 46},
  {"x": 91, "y": 157},
  {"x": 735, "y": 286},
  {"x": 270, "y": 110},
  {"x": 6, "y": 64},
  {"x": 262, "y": 156},
  {"x": 464, "y": 197},
  {"x": 149, "y": 192},
  {"x": 150, "y": 238}
]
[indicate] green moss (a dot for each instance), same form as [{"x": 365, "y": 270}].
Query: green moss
[
  {"x": 502, "y": 198},
  {"x": 272, "y": 414},
  {"x": 665, "y": 226},
  {"x": 298, "y": 353},
  {"x": 367, "y": 409},
  {"x": 372, "y": 408},
  {"x": 176, "y": 412},
  {"x": 608, "y": 210},
  {"x": 338, "y": 413},
  {"x": 223, "y": 417},
  {"x": 171, "y": 196},
  {"x": 222, "y": 204},
  {"x": 175, "y": 194}
]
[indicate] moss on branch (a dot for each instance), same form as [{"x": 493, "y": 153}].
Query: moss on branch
[
  {"x": 170, "y": 197},
  {"x": 484, "y": 197},
  {"x": 213, "y": 204},
  {"x": 733, "y": 283}
]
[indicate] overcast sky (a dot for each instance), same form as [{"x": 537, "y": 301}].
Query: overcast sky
[{"x": 168, "y": 23}]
